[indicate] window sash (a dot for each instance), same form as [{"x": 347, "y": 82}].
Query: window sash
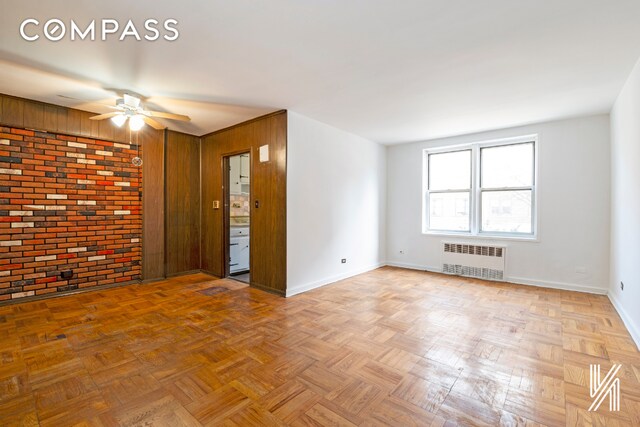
[{"x": 475, "y": 198}]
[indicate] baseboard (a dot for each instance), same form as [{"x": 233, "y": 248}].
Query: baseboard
[
  {"x": 633, "y": 329},
  {"x": 414, "y": 266},
  {"x": 515, "y": 280},
  {"x": 556, "y": 285},
  {"x": 328, "y": 280}
]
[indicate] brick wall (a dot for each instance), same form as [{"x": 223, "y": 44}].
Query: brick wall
[{"x": 66, "y": 203}]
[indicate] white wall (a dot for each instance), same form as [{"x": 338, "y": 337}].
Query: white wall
[
  {"x": 573, "y": 207},
  {"x": 625, "y": 203},
  {"x": 335, "y": 204}
]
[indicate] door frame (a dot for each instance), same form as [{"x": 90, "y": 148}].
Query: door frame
[{"x": 226, "y": 206}]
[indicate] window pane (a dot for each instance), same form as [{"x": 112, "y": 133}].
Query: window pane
[
  {"x": 507, "y": 166},
  {"x": 506, "y": 211},
  {"x": 450, "y": 171},
  {"x": 449, "y": 211}
]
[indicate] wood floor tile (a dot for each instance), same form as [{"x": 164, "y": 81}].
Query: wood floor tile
[
  {"x": 422, "y": 393},
  {"x": 388, "y": 347}
]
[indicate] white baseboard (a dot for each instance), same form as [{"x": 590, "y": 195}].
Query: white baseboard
[
  {"x": 328, "y": 280},
  {"x": 414, "y": 266},
  {"x": 633, "y": 329},
  {"x": 557, "y": 285}
]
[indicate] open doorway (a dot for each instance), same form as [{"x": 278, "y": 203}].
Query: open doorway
[{"x": 238, "y": 216}]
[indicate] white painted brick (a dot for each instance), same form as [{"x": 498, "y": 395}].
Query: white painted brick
[
  {"x": 86, "y": 202},
  {"x": 105, "y": 173},
  {"x": 86, "y": 181},
  {"x": 23, "y": 294},
  {"x": 20, "y": 213},
  {"x": 96, "y": 258},
  {"x": 77, "y": 155},
  {"x": 73, "y": 250},
  {"x": 55, "y": 208},
  {"x": 5, "y": 273},
  {"x": 37, "y": 207},
  {"x": 10, "y": 171},
  {"x": 11, "y": 243},
  {"x": 86, "y": 161},
  {"x": 123, "y": 184},
  {"x": 21, "y": 225},
  {"x": 127, "y": 146},
  {"x": 135, "y": 240},
  {"x": 121, "y": 212},
  {"x": 4, "y": 142},
  {"x": 104, "y": 153},
  {"x": 45, "y": 258},
  {"x": 76, "y": 144},
  {"x": 56, "y": 196}
]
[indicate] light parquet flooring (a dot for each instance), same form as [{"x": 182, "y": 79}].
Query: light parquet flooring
[{"x": 389, "y": 347}]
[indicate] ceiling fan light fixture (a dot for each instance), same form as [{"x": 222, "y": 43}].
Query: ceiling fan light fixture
[
  {"x": 119, "y": 120},
  {"x": 136, "y": 122}
]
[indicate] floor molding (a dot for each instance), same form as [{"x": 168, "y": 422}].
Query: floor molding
[
  {"x": 633, "y": 329},
  {"x": 328, "y": 280},
  {"x": 557, "y": 285}
]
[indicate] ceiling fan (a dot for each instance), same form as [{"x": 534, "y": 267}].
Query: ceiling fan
[{"x": 129, "y": 108}]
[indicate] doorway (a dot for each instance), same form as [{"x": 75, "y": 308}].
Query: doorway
[{"x": 238, "y": 216}]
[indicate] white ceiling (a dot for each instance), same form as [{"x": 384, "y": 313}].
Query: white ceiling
[{"x": 390, "y": 71}]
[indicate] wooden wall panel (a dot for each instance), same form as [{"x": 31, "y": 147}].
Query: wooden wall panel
[
  {"x": 182, "y": 214},
  {"x": 40, "y": 116},
  {"x": 268, "y": 186},
  {"x": 153, "y": 170}
]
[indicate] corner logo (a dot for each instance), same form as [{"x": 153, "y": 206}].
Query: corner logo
[
  {"x": 599, "y": 388},
  {"x": 55, "y": 30}
]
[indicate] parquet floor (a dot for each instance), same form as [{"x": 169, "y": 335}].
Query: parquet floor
[{"x": 390, "y": 347}]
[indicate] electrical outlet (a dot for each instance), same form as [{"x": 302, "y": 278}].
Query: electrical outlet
[
  {"x": 344, "y": 260},
  {"x": 621, "y": 286}
]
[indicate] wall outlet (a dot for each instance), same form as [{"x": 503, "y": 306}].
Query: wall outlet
[
  {"x": 344, "y": 260},
  {"x": 621, "y": 286}
]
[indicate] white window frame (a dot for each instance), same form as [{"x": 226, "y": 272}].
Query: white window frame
[{"x": 475, "y": 208}]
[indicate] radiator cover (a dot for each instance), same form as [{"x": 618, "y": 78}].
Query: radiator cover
[{"x": 469, "y": 260}]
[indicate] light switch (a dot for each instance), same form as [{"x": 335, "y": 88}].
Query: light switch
[{"x": 216, "y": 204}]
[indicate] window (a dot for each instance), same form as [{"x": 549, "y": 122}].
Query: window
[{"x": 484, "y": 188}]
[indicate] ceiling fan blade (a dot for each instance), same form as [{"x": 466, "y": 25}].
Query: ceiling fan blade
[
  {"x": 131, "y": 101},
  {"x": 105, "y": 116},
  {"x": 168, "y": 116},
  {"x": 154, "y": 124}
]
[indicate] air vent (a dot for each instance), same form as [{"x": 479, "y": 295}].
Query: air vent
[
  {"x": 479, "y": 261},
  {"x": 458, "y": 248}
]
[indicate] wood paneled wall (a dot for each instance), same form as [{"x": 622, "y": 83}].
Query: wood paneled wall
[
  {"x": 28, "y": 114},
  {"x": 182, "y": 201},
  {"x": 268, "y": 187},
  {"x": 39, "y": 116},
  {"x": 153, "y": 169}
]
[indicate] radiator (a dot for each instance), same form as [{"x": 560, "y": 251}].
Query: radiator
[{"x": 481, "y": 261}]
